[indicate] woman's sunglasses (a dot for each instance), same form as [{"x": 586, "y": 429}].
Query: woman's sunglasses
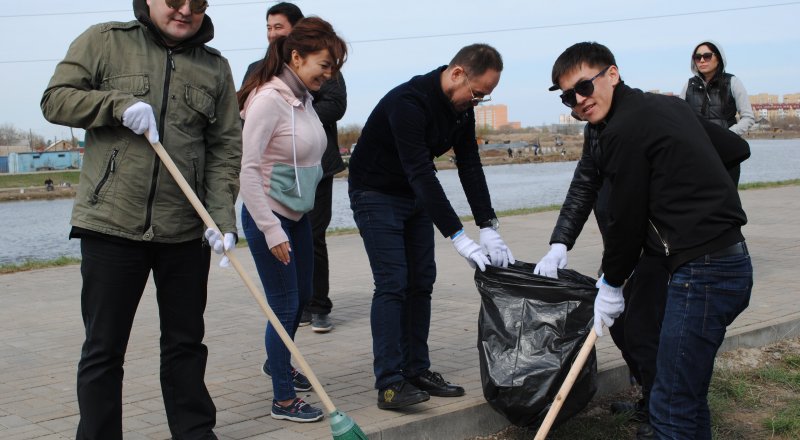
[
  {"x": 196, "y": 6},
  {"x": 584, "y": 88},
  {"x": 703, "y": 56}
]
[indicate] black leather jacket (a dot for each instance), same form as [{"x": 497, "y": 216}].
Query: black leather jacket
[
  {"x": 709, "y": 220},
  {"x": 582, "y": 194}
]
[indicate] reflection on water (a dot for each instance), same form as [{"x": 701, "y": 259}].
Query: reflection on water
[{"x": 38, "y": 229}]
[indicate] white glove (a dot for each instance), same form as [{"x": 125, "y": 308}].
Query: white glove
[
  {"x": 608, "y": 305},
  {"x": 495, "y": 247},
  {"x": 555, "y": 259},
  {"x": 220, "y": 243},
  {"x": 140, "y": 119},
  {"x": 470, "y": 251}
]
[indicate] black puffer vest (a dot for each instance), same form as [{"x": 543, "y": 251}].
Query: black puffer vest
[{"x": 713, "y": 101}]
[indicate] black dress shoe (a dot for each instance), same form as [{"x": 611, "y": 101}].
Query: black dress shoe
[
  {"x": 645, "y": 432},
  {"x": 637, "y": 412},
  {"x": 400, "y": 394},
  {"x": 435, "y": 385}
]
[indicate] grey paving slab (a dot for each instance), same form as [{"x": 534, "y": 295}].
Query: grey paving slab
[{"x": 41, "y": 335}]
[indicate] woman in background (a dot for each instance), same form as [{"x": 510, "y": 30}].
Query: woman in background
[
  {"x": 716, "y": 95},
  {"x": 283, "y": 143}
]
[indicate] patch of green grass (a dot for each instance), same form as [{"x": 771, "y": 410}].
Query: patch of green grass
[
  {"x": 466, "y": 218},
  {"x": 341, "y": 231},
  {"x": 732, "y": 385},
  {"x": 762, "y": 185},
  {"x": 792, "y": 361},
  {"x": 37, "y": 179},
  {"x": 518, "y": 211},
  {"x": 780, "y": 375},
  {"x": 38, "y": 264},
  {"x": 786, "y": 422}
]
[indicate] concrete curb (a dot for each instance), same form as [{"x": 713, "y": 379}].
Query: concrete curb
[{"x": 480, "y": 419}]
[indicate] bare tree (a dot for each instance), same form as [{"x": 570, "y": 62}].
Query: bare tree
[
  {"x": 10, "y": 135},
  {"x": 348, "y": 135}
]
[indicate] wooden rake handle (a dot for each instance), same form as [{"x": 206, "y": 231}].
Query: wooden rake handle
[
  {"x": 569, "y": 381},
  {"x": 254, "y": 290}
]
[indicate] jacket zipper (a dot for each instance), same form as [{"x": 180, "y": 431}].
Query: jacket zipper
[
  {"x": 161, "y": 121},
  {"x": 663, "y": 243},
  {"x": 195, "y": 168},
  {"x": 110, "y": 168}
]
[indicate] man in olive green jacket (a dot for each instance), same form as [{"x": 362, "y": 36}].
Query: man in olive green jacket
[{"x": 151, "y": 76}]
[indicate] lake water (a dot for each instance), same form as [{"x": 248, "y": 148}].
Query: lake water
[{"x": 38, "y": 229}]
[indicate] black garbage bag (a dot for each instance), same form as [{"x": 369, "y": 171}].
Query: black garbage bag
[{"x": 530, "y": 331}]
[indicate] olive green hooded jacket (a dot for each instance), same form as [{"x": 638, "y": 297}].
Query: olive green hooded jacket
[{"x": 125, "y": 191}]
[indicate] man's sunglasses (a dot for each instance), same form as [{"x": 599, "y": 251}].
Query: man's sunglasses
[
  {"x": 584, "y": 88},
  {"x": 196, "y": 6},
  {"x": 703, "y": 56}
]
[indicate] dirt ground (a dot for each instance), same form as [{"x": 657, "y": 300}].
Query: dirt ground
[{"x": 739, "y": 420}]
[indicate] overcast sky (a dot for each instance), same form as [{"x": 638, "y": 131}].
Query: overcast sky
[{"x": 390, "y": 41}]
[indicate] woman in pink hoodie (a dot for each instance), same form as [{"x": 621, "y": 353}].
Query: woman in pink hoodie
[{"x": 283, "y": 144}]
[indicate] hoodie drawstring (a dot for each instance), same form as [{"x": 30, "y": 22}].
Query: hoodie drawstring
[{"x": 294, "y": 155}]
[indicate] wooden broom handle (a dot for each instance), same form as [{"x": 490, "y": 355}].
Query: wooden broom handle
[
  {"x": 561, "y": 396},
  {"x": 254, "y": 290}
]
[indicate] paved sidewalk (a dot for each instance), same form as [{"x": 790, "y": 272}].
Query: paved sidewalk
[{"x": 41, "y": 335}]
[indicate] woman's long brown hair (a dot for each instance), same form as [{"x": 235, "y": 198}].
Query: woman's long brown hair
[{"x": 309, "y": 35}]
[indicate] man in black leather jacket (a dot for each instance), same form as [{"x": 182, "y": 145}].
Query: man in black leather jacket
[{"x": 668, "y": 196}]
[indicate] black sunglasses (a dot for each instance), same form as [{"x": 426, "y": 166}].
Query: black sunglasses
[
  {"x": 584, "y": 88},
  {"x": 196, "y": 6},
  {"x": 704, "y": 56}
]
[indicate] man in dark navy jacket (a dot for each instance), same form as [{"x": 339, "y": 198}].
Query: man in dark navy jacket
[{"x": 396, "y": 199}]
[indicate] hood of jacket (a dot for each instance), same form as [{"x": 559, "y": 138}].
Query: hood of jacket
[
  {"x": 203, "y": 35},
  {"x": 693, "y": 66},
  {"x": 288, "y": 85}
]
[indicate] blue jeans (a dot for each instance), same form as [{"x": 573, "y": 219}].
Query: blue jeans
[
  {"x": 288, "y": 289},
  {"x": 398, "y": 237},
  {"x": 704, "y": 297}
]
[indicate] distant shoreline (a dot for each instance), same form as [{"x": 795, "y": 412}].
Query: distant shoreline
[{"x": 488, "y": 158}]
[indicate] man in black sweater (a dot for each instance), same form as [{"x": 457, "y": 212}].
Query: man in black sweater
[
  {"x": 669, "y": 198},
  {"x": 396, "y": 199}
]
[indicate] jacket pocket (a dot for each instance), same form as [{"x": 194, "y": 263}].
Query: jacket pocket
[
  {"x": 111, "y": 166},
  {"x": 296, "y": 193},
  {"x": 137, "y": 84},
  {"x": 201, "y": 102}
]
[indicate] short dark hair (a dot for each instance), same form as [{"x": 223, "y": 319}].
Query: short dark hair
[
  {"x": 310, "y": 35},
  {"x": 290, "y": 10},
  {"x": 476, "y": 59},
  {"x": 588, "y": 52}
]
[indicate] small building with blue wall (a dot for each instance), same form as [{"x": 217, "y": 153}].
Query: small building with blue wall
[{"x": 28, "y": 162}]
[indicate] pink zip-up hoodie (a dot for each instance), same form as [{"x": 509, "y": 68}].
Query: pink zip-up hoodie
[{"x": 283, "y": 142}]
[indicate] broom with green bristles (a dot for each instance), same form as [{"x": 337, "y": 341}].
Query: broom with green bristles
[{"x": 342, "y": 426}]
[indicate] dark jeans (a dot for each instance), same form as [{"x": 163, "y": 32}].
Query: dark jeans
[
  {"x": 287, "y": 287},
  {"x": 320, "y": 218},
  {"x": 636, "y": 332},
  {"x": 114, "y": 276},
  {"x": 703, "y": 298},
  {"x": 398, "y": 237}
]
